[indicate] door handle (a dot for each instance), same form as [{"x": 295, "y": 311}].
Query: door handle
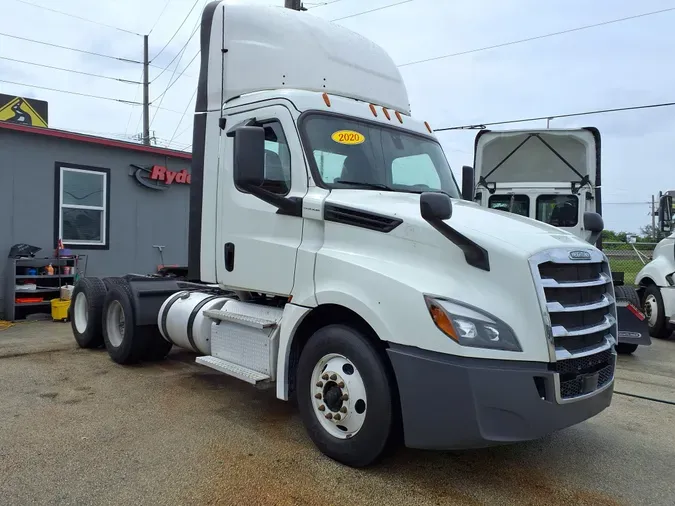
[{"x": 229, "y": 256}]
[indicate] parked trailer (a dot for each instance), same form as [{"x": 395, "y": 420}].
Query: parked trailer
[{"x": 332, "y": 257}]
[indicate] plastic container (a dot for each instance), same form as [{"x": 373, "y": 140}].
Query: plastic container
[{"x": 60, "y": 309}]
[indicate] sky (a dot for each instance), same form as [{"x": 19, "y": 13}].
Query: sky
[{"x": 616, "y": 65}]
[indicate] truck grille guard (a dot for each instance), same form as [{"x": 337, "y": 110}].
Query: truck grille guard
[{"x": 578, "y": 306}]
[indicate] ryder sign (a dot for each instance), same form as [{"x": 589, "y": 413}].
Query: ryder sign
[{"x": 158, "y": 177}]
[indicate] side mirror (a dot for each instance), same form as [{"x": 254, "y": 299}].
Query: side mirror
[
  {"x": 595, "y": 225},
  {"x": 435, "y": 206},
  {"x": 249, "y": 155},
  {"x": 666, "y": 213},
  {"x": 467, "y": 183}
]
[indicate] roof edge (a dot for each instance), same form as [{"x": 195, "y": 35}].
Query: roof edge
[{"x": 90, "y": 139}]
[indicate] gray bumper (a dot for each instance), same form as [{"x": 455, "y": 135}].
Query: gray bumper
[{"x": 456, "y": 403}]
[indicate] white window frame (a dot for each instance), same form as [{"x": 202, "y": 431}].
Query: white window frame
[{"x": 103, "y": 208}]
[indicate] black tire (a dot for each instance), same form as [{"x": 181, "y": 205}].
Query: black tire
[
  {"x": 86, "y": 325},
  {"x": 626, "y": 348},
  {"x": 114, "y": 281},
  {"x": 377, "y": 433},
  {"x": 661, "y": 328},
  {"x": 128, "y": 345},
  {"x": 627, "y": 293}
]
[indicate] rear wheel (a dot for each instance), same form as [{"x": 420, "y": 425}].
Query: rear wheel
[
  {"x": 125, "y": 341},
  {"x": 345, "y": 396},
  {"x": 654, "y": 310},
  {"x": 85, "y": 312}
]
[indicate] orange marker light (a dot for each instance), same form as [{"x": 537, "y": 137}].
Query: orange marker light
[
  {"x": 373, "y": 110},
  {"x": 428, "y": 127},
  {"x": 442, "y": 321},
  {"x": 398, "y": 115},
  {"x": 386, "y": 113},
  {"x": 326, "y": 99}
]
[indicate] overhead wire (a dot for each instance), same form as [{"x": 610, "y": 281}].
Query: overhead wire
[
  {"x": 77, "y": 50},
  {"x": 164, "y": 69},
  {"x": 162, "y": 95},
  {"x": 131, "y": 112},
  {"x": 127, "y": 81},
  {"x": 538, "y": 37},
  {"x": 177, "y": 30},
  {"x": 372, "y": 10},
  {"x": 71, "y": 92},
  {"x": 166, "y": 4},
  {"x": 556, "y": 116},
  {"x": 194, "y": 93},
  {"x": 77, "y": 17}
]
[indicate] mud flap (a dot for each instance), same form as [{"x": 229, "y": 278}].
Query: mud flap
[{"x": 633, "y": 328}]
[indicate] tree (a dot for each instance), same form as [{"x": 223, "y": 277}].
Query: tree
[{"x": 651, "y": 234}]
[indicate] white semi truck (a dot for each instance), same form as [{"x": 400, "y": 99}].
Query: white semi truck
[
  {"x": 554, "y": 176},
  {"x": 332, "y": 257},
  {"x": 657, "y": 279}
]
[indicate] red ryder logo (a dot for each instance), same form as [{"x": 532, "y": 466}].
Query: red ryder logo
[{"x": 158, "y": 177}]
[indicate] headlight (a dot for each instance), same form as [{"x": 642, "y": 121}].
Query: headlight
[
  {"x": 469, "y": 326},
  {"x": 669, "y": 279}
]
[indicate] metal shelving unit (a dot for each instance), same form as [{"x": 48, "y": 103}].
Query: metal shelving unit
[{"x": 47, "y": 285}]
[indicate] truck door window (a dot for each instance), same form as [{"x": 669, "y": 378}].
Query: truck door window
[
  {"x": 277, "y": 159},
  {"x": 520, "y": 204},
  {"x": 558, "y": 210},
  {"x": 415, "y": 170}
]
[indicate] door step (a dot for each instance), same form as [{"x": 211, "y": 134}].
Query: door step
[
  {"x": 237, "y": 371},
  {"x": 248, "y": 321}
]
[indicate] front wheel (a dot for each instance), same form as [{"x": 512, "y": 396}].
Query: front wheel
[
  {"x": 345, "y": 396},
  {"x": 654, "y": 310}
]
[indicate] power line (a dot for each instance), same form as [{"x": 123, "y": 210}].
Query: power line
[
  {"x": 177, "y": 30},
  {"x": 166, "y": 4},
  {"x": 180, "y": 52},
  {"x": 323, "y": 4},
  {"x": 183, "y": 115},
  {"x": 69, "y": 70},
  {"x": 131, "y": 112},
  {"x": 556, "y": 116},
  {"x": 77, "y": 50},
  {"x": 178, "y": 77},
  {"x": 371, "y": 10},
  {"x": 72, "y": 92},
  {"x": 76, "y": 17},
  {"x": 529, "y": 39}
]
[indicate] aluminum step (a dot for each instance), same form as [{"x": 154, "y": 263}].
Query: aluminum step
[
  {"x": 249, "y": 321},
  {"x": 237, "y": 371}
]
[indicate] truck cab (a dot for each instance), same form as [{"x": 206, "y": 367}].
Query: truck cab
[{"x": 333, "y": 258}]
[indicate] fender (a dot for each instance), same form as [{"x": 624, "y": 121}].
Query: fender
[{"x": 656, "y": 270}]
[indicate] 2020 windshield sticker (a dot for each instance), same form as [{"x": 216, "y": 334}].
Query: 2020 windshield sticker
[{"x": 348, "y": 137}]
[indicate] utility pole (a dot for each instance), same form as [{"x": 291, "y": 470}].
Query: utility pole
[
  {"x": 296, "y": 5},
  {"x": 146, "y": 93},
  {"x": 653, "y": 219}
]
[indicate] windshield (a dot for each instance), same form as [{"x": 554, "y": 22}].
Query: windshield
[{"x": 349, "y": 153}]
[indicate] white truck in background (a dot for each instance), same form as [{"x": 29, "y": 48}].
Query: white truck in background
[
  {"x": 657, "y": 279},
  {"x": 332, "y": 257},
  {"x": 554, "y": 176}
]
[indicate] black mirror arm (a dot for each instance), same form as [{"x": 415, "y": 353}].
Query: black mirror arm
[{"x": 290, "y": 206}]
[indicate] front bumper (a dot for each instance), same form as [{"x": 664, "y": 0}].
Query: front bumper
[{"x": 453, "y": 402}]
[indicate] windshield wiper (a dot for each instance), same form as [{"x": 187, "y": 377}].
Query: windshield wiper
[{"x": 375, "y": 186}]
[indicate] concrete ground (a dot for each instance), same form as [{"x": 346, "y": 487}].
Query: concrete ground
[{"x": 75, "y": 428}]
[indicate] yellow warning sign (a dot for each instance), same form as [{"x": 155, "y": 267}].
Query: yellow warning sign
[{"x": 21, "y": 111}]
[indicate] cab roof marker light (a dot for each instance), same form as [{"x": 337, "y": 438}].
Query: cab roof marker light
[
  {"x": 326, "y": 99},
  {"x": 426, "y": 124},
  {"x": 373, "y": 110},
  {"x": 400, "y": 118},
  {"x": 386, "y": 113}
]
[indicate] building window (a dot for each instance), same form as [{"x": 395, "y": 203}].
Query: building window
[{"x": 83, "y": 202}]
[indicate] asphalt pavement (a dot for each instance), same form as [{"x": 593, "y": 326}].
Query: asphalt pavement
[{"x": 77, "y": 429}]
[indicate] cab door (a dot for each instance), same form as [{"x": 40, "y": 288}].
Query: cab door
[{"x": 258, "y": 245}]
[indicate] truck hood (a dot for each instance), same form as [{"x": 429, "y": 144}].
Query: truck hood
[
  {"x": 544, "y": 156},
  {"x": 485, "y": 226}
]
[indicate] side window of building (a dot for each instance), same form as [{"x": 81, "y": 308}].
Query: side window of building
[
  {"x": 277, "y": 160},
  {"x": 519, "y": 204},
  {"x": 558, "y": 210},
  {"x": 82, "y": 206}
]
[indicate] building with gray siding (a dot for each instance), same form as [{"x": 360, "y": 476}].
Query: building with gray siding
[{"x": 110, "y": 200}]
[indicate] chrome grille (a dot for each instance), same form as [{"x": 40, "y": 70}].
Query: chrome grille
[{"x": 577, "y": 298}]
